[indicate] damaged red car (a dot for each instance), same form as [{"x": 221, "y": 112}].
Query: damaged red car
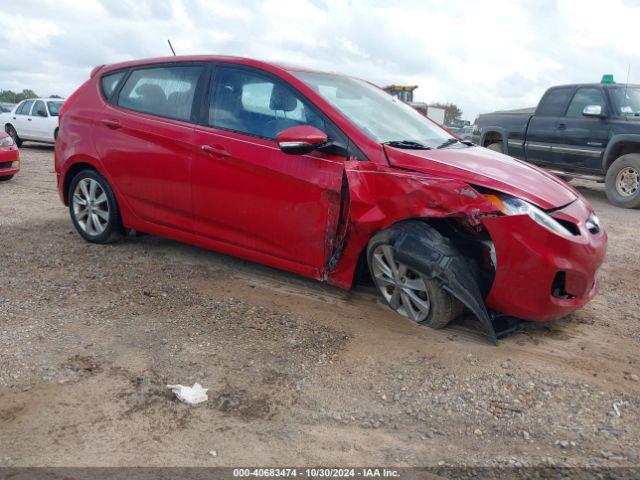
[{"x": 327, "y": 176}]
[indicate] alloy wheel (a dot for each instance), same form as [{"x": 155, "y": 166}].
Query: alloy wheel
[
  {"x": 628, "y": 181},
  {"x": 404, "y": 289},
  {"x": 90, "y": 206}
]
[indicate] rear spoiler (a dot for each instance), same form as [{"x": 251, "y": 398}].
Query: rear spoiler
[{"x": 96, "y": 70}]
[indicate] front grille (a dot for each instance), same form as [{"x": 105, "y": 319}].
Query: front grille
[{"x": 5, "y": 165}]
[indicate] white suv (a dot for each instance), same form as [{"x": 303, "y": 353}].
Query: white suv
[{"x": 34, "y": 119}]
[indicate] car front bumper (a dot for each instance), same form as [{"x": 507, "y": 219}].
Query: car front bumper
[
  {"x": 541, "y": 275},
  {"x": 9, "y": 161}
]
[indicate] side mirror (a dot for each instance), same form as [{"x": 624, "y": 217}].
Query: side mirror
[
  {"x": 300, "y": 140},
  {"x": 593, "y": 111},
  {"x": 41, "y": 113}
]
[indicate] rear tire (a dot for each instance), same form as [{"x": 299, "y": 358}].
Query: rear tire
[
  {"x": 93, "y": 208},
  {"x": 13, "y": 134},
  {"x": 623, "y": 181},
  {"x": 6, "y": 178},
  {"x": 496, "y": 147},
  {"x": 398, "y": 284}
]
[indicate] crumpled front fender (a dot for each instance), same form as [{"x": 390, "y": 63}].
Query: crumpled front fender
[{"x": 381, "y": 196}]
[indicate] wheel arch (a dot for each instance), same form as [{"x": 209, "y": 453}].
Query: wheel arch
[
  {"x": 494, "y": 134},
  {"x": 474, "y": 245},
  {"x": 620, "y": 145},
  {"x": 77, "y": 165}
]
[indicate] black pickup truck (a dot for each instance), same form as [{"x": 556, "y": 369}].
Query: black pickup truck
[{"x": 589, "y": 131}]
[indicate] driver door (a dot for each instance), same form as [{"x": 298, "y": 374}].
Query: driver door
[{"x": 247, "y": 193}]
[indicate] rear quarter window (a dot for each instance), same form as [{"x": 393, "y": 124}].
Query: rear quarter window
[{"x": 108, "y": 83}]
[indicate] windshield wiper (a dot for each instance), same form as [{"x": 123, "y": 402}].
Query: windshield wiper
[
  {"x": 407, "y": 144},
  {"x": 451, "y": 141}
]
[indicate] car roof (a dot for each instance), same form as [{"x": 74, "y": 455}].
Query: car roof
[
  {"x": 594, "y": 85},
  {"x": 44, "y": 99},
  {"x": 208, "y": 58}
]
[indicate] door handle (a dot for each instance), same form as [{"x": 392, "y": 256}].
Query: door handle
[
  {"x": 114, "y": 124},
  {"x": 28, "y": 119},
  {"x": 562, "y": 126},
  {"x": 215, "y": 150}
]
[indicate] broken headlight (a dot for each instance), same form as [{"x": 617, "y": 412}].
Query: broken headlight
[
  {"x": 6, "y": 142},
  {"x": 517, "y": 206}
]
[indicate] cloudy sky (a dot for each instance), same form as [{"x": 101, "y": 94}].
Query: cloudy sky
[{"x": 481, "y": 55}]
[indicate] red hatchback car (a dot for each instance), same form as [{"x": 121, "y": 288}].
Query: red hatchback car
[
  {"x": 327, "y": 176},
  {"x": 9, "y": 157}
]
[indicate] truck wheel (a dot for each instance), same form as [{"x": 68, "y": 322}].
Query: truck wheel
[
  {"x": 496, "y": 147},
  {"x": 623, "y": 181},
  {"x": 405, "y": 290}
]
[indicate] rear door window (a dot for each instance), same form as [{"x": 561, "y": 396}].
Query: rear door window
[
  {"x": 257, "y": 105},
  {"x": 25, "y": 108},
  {"x": 554, "y": 102},
  {"x": 582, "y": 98},
  {"x": 161, "y": 91}
]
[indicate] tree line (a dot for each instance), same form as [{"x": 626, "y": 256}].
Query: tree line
[{"x": 9, "y": 96}]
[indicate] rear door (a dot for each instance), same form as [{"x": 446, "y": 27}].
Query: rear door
[
  {"x": 21, "y": 121},
  {"x": 146, "y": 138},
  {"x": 247, "y": 193},
  {"x": 544, "y": 131},
  {"x": 584, "y": 138}
]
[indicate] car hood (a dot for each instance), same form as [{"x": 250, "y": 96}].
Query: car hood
[{"x": 489, "y": 169}]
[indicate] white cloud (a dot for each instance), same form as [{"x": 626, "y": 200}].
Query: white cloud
[{"x": 481, "y": 55}]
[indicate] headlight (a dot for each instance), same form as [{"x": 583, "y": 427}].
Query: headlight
[
  {"x": 593, "y": 223},
  {"x": 517, "y": 206},
  {"x": 6, "y": 142}
]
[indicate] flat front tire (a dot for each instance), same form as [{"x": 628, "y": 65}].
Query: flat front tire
[
  {"x": 93, "y": 207},
  {"x": 407, "y": 291},
  {"x": 623, "y": 181}
]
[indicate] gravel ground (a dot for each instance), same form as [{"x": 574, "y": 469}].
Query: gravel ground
[{"x": 298, "y": 372}]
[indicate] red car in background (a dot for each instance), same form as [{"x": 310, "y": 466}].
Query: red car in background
[
  {"x": 327, "y": 176},
  {"x": 9, "y": 157}
]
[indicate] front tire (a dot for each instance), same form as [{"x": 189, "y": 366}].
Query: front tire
[
  {"x": 93, "y": 208},
  {"x": 6, "y": 178},
  {"x": 623, "y": 181},
  {"x": 405, "y": 290},
  {"x": 13, "y": 134}
]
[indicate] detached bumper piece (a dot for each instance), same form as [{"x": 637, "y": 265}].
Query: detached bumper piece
[{"x": 434, "y": 256}]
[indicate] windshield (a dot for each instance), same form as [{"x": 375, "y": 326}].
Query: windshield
[
  {"x": 54, "y": 108},
  {"x": 626, "y": 100},
  {"x": 379, "y": 115}
]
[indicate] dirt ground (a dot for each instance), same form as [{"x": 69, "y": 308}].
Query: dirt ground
[{"x": 298, "y": 372}]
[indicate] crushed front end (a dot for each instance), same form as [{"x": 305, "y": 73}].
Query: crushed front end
[{"x": 541, "y": 274}]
